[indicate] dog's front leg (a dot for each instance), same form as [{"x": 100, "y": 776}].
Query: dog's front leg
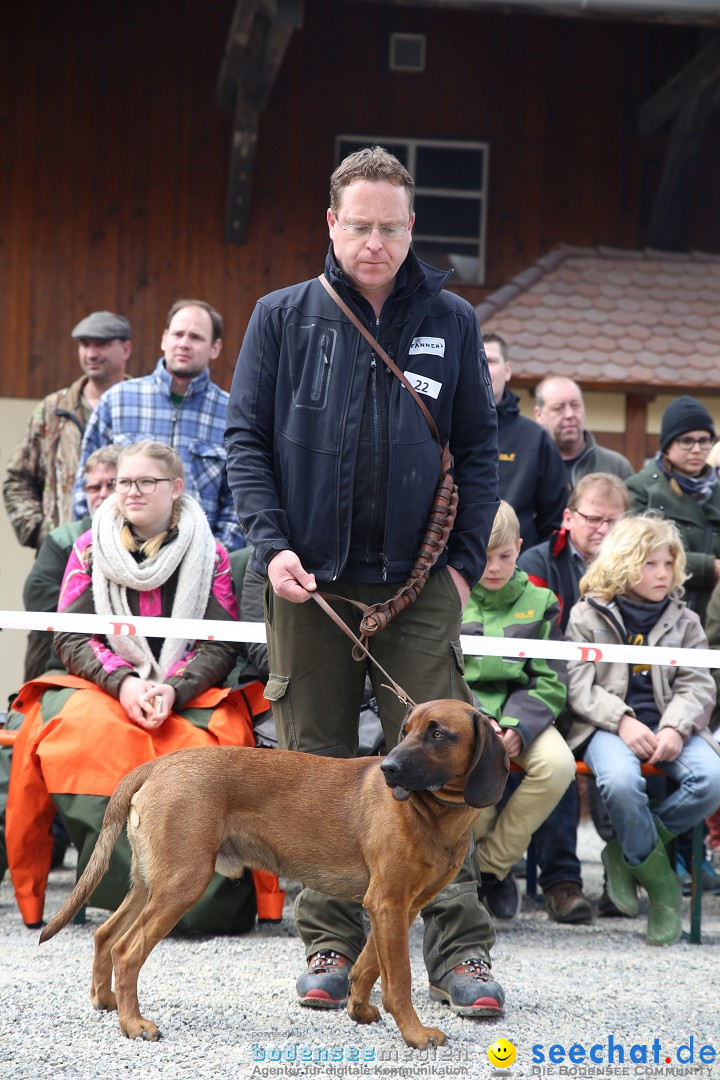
[{"x": 390, "y": 921}]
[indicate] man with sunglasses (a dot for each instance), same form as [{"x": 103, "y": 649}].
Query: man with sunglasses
[{"x": 333, "y": 468}]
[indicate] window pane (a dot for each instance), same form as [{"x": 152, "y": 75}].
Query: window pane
[
  {"x": 445, "y": 216},
  {"x": 449, "y": 198},
  {"x": 449, "y": 167}
]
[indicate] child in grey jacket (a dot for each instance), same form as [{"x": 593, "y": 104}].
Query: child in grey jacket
[{"x": 628, "y": 714}]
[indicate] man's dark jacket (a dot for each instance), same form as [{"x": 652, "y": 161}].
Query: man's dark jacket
[
  {"x": 296, "y": 414},
  {"x": 532, "y": 473},
  {"x": 553, "y": 565}
]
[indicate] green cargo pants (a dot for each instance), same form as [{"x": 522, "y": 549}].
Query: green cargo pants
[{"x": 316, "y": 689}]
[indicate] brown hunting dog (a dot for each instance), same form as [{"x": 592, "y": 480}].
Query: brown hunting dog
[{"x": 333, "y": 824}]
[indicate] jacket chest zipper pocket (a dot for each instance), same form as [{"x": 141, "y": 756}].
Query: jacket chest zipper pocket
[{"x": 322, "y": 365}]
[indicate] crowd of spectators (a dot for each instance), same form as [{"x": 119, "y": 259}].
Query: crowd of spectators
[{"x": 163, "y": 494}]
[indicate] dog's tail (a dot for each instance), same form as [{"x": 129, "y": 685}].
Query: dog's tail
[{"x": 115, "y": 817}]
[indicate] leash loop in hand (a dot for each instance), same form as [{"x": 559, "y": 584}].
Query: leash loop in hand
[{"x": 360, "y": 649}]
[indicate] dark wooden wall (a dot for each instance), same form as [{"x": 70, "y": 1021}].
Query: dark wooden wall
[{"x": 114, "y": 153}]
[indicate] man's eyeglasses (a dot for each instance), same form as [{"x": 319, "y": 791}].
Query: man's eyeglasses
[
  {"x": 596, "y": 522},
  {"x": 145, "y": 485},
  {"x": 95, "y": 489},
  {"x": 387, "y": 232},
  {"x": 687, "y": 443}
]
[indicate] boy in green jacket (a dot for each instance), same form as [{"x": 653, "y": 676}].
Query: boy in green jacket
[{"x": 524, "y": 697}]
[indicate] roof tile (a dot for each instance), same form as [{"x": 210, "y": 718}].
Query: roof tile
[{"x": 610, "y": 316}]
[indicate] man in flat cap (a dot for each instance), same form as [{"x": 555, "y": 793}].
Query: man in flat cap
[
  {"x": 178, "y": 404},
  {"x": 38, "y": 484}
]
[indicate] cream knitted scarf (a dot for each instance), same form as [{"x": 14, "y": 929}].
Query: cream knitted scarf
[{"x": 114, "y": 571}]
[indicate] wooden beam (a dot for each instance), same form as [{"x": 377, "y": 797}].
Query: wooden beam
[
  {"x": 242, "y": 171},
  {"x": 689, "y": 99},
  {"x": 237, "y": 42},
  {"x": 695, "y": 78},
  {"x": 255, "y": 53},
  {"x": 666, "y": 229}
]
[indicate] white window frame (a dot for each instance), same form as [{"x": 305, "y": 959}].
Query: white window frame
[{"x": 411, "y": 147}]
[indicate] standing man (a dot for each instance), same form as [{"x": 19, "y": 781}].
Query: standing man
[
  {"x": 38, "y": 485},
  {"x": 532, "y": 474},
  {"x": 560, "y": 408},
  {"x": 333, "y": 469},
  {"x": 179, "y": 405},
  {"x": 598, "y": 501}
]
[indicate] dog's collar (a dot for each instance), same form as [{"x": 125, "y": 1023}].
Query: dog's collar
[{"x": 447, "y": 802}]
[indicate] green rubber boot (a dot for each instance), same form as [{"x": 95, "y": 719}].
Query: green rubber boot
[
  {"x": 621, "y": 884},
  {"x": 664, "y": 891},
  {"x": 665, "y": 835}
]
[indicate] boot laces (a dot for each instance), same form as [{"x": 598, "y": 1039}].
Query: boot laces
[
  {"x": 476, "y": 969},
  {"x": 325, "y": 960}
]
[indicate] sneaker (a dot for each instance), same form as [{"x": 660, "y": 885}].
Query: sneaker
[
  {"x": 501, "y": 898},
  {"x": 326, "y": 983},
  {"x": 470, "y": 990},
  {"x": 565, "y": 902},
  {"x": 684, "y": 874},
  {"x": 709, "y": 876}
]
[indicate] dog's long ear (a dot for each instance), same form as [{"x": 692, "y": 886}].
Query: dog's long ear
[{"x": 488, "y": 774}]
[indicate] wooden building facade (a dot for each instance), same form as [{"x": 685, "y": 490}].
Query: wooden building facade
[{"x": 116, "y": 150}]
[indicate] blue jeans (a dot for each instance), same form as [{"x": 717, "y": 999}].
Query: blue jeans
[
  {"x": 556, "y": 842},
  {"x": 696, "y": 773}
]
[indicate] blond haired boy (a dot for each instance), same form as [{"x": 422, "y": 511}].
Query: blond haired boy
[{"x": 524, "y": 696}]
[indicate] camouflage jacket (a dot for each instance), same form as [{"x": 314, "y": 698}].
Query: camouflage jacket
[{"x": 38, "y": 484}]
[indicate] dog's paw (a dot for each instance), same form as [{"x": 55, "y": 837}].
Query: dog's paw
[
  {"x": 424, "y": 1037},
  {"x": 140, "y": 1028},
  {"x": 103, "y": 1001},
  {"x": 363, "y": 1012}
]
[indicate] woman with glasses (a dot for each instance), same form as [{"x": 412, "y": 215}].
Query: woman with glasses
[
  {"x": 681, "y": 485},
  {"x": 130, "y": 698}
]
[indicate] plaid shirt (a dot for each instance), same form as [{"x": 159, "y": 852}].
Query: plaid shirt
[{"x": 144, "y": 409}]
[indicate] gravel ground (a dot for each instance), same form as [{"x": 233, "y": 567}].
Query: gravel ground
[{"x": 223, "y": 1003}]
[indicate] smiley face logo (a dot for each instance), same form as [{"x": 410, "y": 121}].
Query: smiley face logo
[{"x": 501, "y": 1054}]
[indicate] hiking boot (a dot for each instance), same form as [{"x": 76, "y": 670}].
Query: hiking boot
[
  {"x": 565, "y": 902},
  {"x": 608, "y": 910},
  {"x": 326, "y": 983},
  {"x": 501, "y": 898},
  {"x": 470, "y": 990}
]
